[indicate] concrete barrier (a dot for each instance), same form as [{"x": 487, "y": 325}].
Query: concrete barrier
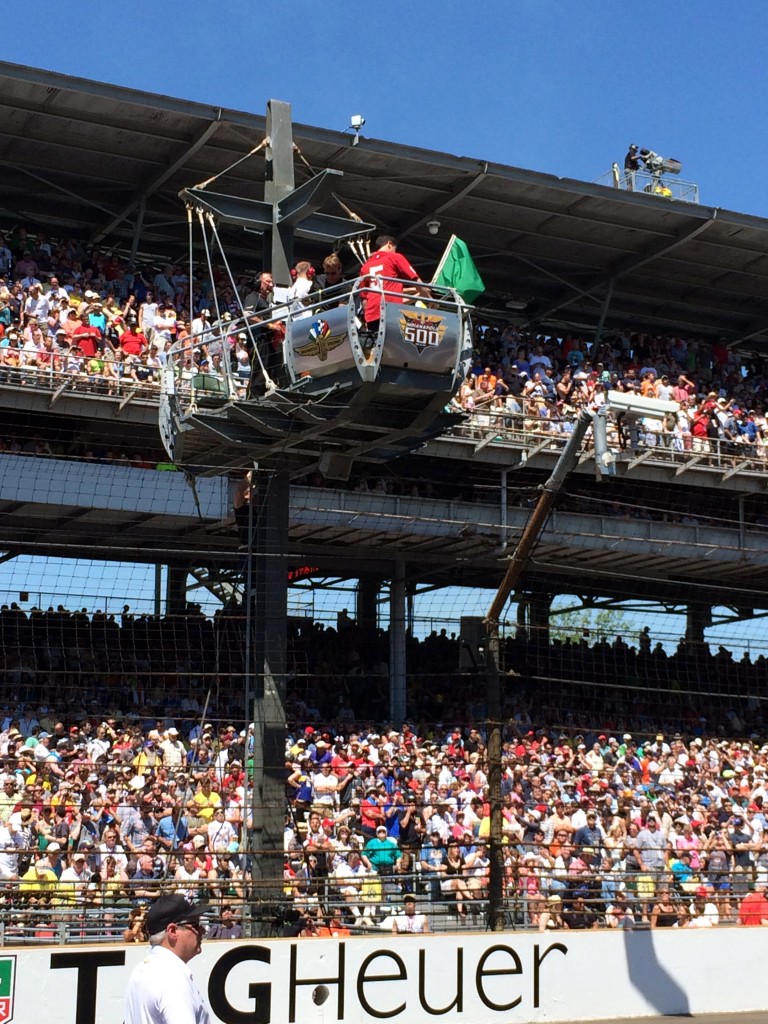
[{"x": 477, "y": 978}]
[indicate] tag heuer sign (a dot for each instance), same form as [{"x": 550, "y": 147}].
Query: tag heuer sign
[{"x": 7, "y": 986}]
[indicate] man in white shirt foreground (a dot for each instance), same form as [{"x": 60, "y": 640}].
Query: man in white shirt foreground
[{"x": 161, "y": 989}]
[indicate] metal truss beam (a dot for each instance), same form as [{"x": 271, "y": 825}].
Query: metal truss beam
[{"x": 152, "y": 186}]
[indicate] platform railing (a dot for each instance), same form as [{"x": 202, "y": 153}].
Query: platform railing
[{"x": 668, "y": 186}]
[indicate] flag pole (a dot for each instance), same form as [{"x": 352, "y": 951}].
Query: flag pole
[{"x": 443, "y": 258}]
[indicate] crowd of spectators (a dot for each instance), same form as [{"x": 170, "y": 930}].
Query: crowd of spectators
[
  {"x": 539, "y": 383},
  {"x": 67, "y": 309},
  {"x": 116, "y": 787},
  {"x": 70, "y": 311},
  {"x": 166, "y": 665},
  {"x": 385, "y": 826},
  {"x": 108, "y": 812},
  {"x": 619, "y": 831}
]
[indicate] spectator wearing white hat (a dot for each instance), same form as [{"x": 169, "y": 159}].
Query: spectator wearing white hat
[
  {"x": 73, "y": 884},
  {"x": 173, "y": 750}
]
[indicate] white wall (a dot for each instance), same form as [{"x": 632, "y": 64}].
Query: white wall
[{"x": 562, "y": 976}]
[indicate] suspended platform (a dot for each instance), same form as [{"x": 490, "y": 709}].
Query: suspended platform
[{"x": 342, "y": 395}]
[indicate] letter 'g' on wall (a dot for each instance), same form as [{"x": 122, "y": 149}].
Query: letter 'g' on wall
[{"x": 259, "y": 992}]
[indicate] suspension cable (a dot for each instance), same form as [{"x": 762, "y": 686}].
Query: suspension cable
[
  {"x": 269, "y": 384},
  {"x": 227, "y": 364},
  {"x": 252, "y": 152},
  {"x": 361, "y": 248},
  {"x": 191, "y": 271}
]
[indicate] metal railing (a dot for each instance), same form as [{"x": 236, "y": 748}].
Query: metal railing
[
  {"x": 81, "y": 382},
  {"x": 666, "y": 186},
  {"x": 529, "y": 431},
  {"x": 100, "y": 912},
  {"x": 486, "y": 424}
]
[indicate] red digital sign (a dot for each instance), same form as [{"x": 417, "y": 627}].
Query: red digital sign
[{"x": 302, "y": 572}]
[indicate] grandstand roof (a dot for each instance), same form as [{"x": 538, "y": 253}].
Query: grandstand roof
[{"x": 81, "y": 155}]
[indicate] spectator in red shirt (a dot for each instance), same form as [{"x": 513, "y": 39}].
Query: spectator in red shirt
[
  {"x": 371, "y": 813},
  {"x": 754, "y": 907},
  {"x": 386, "y": 262},
  {"x": 132, "y": 341},
  {"x": 87, "y": 338}
]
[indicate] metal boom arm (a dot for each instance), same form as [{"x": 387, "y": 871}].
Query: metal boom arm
[{"x": 515, "y": 569}]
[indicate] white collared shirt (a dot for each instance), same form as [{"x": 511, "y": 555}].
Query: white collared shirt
[{"x": 162, "y": 990}]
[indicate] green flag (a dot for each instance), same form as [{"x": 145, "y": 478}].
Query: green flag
[{"x": 457, "y": 270}]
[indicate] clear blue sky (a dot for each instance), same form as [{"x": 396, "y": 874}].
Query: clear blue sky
[{"x": 554, "y": 85}]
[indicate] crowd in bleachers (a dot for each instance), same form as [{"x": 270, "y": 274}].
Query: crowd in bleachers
[
  {"x": 167, "y": 664},
  {"x": 539, "y": 383},
  {"x": 626, "y": 798},
  {"x": 67, "y": 310},
  {"x": 621, "y": 830},
  {"x": 115, "y": 785},
  {"x": 71, "y": 311}
]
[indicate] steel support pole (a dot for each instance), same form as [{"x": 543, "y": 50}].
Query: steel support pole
[
  {"x": 496, "y": 836},
  {"x": 138, "y": 227},
  {"x": 158, "y": 590},
  {"x": 268, "y": 621},
  {"x": 604, "y": 312},
  {"x": 367, "y": 602},
  {"x": 176, "y": 591},
  {"x": 397, "y": 665}
]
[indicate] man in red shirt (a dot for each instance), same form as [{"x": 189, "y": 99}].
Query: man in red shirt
[
  {"x": 754, "y": 907},
  {"x": 386, "y": 262},
  {"x": 132, "y": 342},
  {"x": 87, "y": 338}
]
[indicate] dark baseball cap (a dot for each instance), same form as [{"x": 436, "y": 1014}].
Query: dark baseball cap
[{"x": 173, "y": 910}]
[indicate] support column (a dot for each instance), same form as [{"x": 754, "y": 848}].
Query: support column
[
  {"x": 397, "y": 662},
  {"x": 538, "y": 624},
  {"x": 604, "y": 312},
  {"x": 697, "y": 619},
  {"x": 138, "y": 227},
  {"x": 521, "y": 619},
  {"x": 279, "y": 183},
  {"x": 266, "y": 620},
  {"x": 496, "y": 891},
  {"x": 176, "y": 591},
  {"x": 367, "y": 602}
]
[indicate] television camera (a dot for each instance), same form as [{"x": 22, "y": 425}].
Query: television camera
[{"x": 657, "y": 165}]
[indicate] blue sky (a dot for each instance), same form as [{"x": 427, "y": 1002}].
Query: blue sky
[{"x": 553, "y": 85}]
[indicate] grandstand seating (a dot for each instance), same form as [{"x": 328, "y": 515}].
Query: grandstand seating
[{"x": 110, "y": 690}]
